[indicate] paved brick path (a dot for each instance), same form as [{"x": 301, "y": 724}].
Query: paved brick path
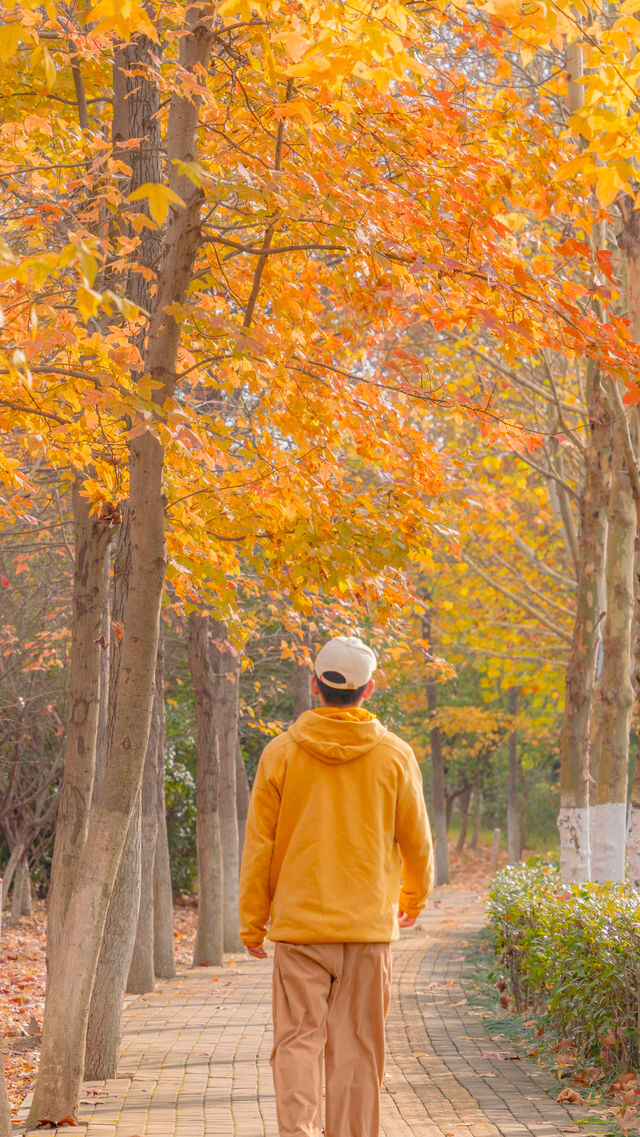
[{"x": 195, "y": 1058}]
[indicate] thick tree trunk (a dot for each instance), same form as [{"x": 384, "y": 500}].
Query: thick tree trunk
[
  {"x": 141, "y": 969},
  {"x": 92, "y": 534},
  {"x": 163, "y": 953},
  {"x": 573, "y": 818},
  {"x": 103, "y": 1027},
  {"x": 71, "y": 979},
  {"x": 242, "y": 797},
  {"x": 465, "y": 800},
  {"x": 438, "y": 792},
  {"x": 514, "y": 844},
  {"x": 615, "y": 690},
  {"x": 104, "y": 1024},
  {"x": 65, "y": 1021},
  {"x": 225, "y": 665},
  {"x": 209, "y": 935}
]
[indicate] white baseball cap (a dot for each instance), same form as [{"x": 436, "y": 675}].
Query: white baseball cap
[{"x": 345, "y": 656}]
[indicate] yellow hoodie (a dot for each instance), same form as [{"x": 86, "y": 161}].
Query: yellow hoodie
[{"x": 337, "y": 834}]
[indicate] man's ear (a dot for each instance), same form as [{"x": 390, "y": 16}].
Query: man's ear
[
  {"x": 313, "y": 685},
  {"x": 368, "y": 691}
]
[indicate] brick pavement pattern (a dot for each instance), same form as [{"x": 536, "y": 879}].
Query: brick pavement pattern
[{"x": 195, "y": 1053}]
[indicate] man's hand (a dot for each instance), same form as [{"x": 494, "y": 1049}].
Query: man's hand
[
  {"x": 257, "y": 952},
  {"x": 405, "y": 921}
]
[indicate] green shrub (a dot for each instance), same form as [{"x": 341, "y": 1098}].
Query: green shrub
[{"x": 572, "y": 956}]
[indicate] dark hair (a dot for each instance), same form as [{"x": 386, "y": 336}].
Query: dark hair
[{"x": 339, "y": 696}]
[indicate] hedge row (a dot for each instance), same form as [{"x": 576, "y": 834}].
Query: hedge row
[{"x": 571, "y": 956}]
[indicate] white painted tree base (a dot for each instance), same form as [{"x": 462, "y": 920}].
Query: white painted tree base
[
  {"x": 575, "y": 852},
  {"x": 633, "y": 848},
  {"x": 608, "y": 840}
]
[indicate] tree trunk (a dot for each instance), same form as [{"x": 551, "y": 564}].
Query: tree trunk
[
  {"x": 209, "y": 935},
  {"x": 103, "y": 1027},
  {"x": 141, "y": 973},
  {"x": 14, "y": 860},
  {"x": 513, "y": 829},
  {"x": 615, "y": 690},
  {"x": 92, "y": 535},
  {"x": 573, "y": 817},
  {"x": 104, "y": 1024},
  {"x": 225, "y": 664},
  {"x": 477, "y": 816},
  {"x": 57, "y": 1089},
  {"x": 438, "y": 792},
  {"x": 21, "y": 898},
  {"x": 163, "y": 953},
  {"x": 301, "y": 689},
  {"x": 465, "y": 799},
  {"x": 629, "y": 241},
  {"x": 242, "y": 797}
]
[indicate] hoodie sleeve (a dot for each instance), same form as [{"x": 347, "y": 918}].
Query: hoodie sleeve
[
  {"x": 413, "y": 834},
  {"x": 262, "y": 820}
]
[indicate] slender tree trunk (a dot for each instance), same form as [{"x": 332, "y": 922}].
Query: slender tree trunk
[
  {"x": 210, "y": 935},
  {"x": 141, "y": 974},
  {"x": 92, "y": 534},
  {"x": 438, "y": 792},
  {"x": 615, "y": 690},
  {"x": 14, "y": 860},
  {"x": 225, "y": 664},
  {"x": 242, "y": 797},
  {"x": 629, "y": 241},
  {"x": 477, "y": 816},
  {"x": 21, "y": 898},
  {"x": 513, "y": 829},
  {"x": 573, "y": 818},
  {"x": 105, "y": 1014},
  {"x": 301, "y": 689},
  {"x": 163, "y": 953},
  {"x": 465, "y": 800}
]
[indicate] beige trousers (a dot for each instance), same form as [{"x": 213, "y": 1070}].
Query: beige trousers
[{"x": 329, "y": 1001}]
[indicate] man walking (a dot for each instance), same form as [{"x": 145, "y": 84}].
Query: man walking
[{"x": 337, "y": 839}]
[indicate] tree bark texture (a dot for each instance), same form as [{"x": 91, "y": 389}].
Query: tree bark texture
[
  {"x": 514, "y": 845},
  {"x": 438, "y": 792},
  {"x": 5, "y": 1107},
  {"x": 301, "y": 689},
  {"x": 66, "y": 1013},
  {"x": 477, "y": 816},
  {"x": 465, "y": 800},
  {"x": 615, "y": 695},
  {"x": 21, "y": 896},
  {"x": 210, "y": 932},
  {"x": 141, "y": 968},
  {"x": 92, "y": 535},
  {"x": 573, "y": 817},
  {"x": 225, "y": 665},
  {"x": 116, "y": 949},
  {"x": 163, "y": 951},
  {"x": 242, "y": 798},
  {"x": 629, "y": 241},
  {"x": 103, "y": 1027}
]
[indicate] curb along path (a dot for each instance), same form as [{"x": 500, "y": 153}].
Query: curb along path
[{"x": 195, "y": 1053}]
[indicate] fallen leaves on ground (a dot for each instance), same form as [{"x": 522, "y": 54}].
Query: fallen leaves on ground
[
  {"x": 571, "y": 1096},
  {"x": 22, "y": 992}
]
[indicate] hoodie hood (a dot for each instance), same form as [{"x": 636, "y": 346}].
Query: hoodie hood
[{"x": 337, "y": 734}]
